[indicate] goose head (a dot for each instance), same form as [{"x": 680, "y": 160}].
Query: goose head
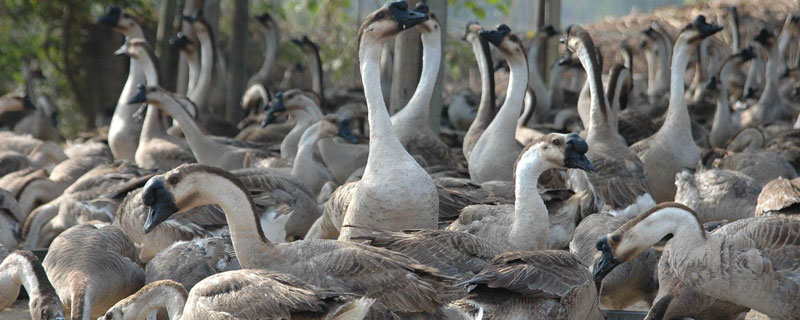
[
  {"x": 182, "y": 42},
  {"x": 637, "y": 235},
  {"x": 331, "y": 126},
  {"x": 306, "y": 44},
  {"x": 181, "y": 189},
  {"x": 45, "y": 305},
  {"x": 120, "y": 21},
  {"x": 140, "y": 304},
  {"x": 286, "y": 102},
  {"x": 266, "y": 20},
  {"x": 563, "y": 151},
  {"x": 386, "y": 22},
  {"x": 509, "y": 44},
  {"x": 471, "y": 32},
  {"x": 698, "y": 30},
  {"x": 428, "y": 26},
  {"x": 158, "y": 96},
  {"x": 764, "y": 38}
]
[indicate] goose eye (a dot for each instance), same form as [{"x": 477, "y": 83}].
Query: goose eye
[
  {"x": 380, "y": 15},
  {"x": 109, "y": 316},
  {"x": 45, "y": 314},
  {"x": 556, "y": 142},
  {"x": 616, "y": 238},
  {"x": 173, "y": 180}
]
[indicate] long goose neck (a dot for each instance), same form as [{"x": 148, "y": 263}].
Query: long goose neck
[
  {"x": 271, "y": 39},
  {"x": 16, "y": 270},
  {"x": 152, "y": 125},
  {"x": 771, "y": 75},
  {"x": 161, "y": 297},
  {"x": 207, "y": 55},
  {"x": 418, "y": 106},
  {"x": 205, "y": 150},
  {"x": 652, "y": 65},
  {"x": 135, "y": 77},
  {"x": 194, "y": 69},
  {"x": 303, "y": 120},
  {"x": 677, "y": 119},
  {"x": 315, "y": 65},
  {"x": 530, "y": 212},
  {"x": 722, "y": 117},
  {"x": 381, "y": 134},
  {"x": 687, "y": 231},
  {"x": 248, "y": 238},
  {"x": 506, "y": 119},
  {"x": 134, "y": 31},
  {"x": 554, "y": 84},
  {"x": 599, "y": 120},
  {"x": 733, "y": 21},
  {"x": 535, "y": 80},
  {"x": 487, "y": 107}
]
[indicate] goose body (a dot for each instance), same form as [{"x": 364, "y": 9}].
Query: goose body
[
  {"x": 93, "y": 267},
  {"x": 759, "y": 253}
]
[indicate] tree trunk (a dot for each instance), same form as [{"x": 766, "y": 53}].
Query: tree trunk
[
  {"x": 238, "y": 63},
  {"x": 554, "y": 19},
  {"x": 540, "y": 15},
  {"x": 439, "y": 7},
  {"x": 167, "y": 54},
  {"x": 407, "y": 66}
]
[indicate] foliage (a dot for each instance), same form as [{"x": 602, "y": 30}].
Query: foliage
[{"x": 50, "y": 32}]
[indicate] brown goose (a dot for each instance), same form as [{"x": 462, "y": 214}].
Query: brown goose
[{"x": 760, "y": 253}]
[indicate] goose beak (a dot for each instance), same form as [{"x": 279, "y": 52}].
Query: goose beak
[
  {"x": 749, "y": 93},
  {"x": 495, "y": 36},
  {"x": 161, "y": 203},
  {"x": 27, "y": 103},
  {"x": 344, "y": 131},
  {"x": 179, "y": 41},
  {"x": 575, "y": 154},
  {"x": 140, "y": 97},
  {"x": 704, "y": 28},
  {"x": 275, "y": 107},
  {"x": 607, "y": 262},
  {"x": 406, "y": 18}
]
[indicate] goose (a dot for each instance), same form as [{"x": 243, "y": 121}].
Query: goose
[
  {"x": 240, "y": 295},
  {"x": 633, "y": 126},
  {"x": 759, "y": 253},
  {"x": 672, "y": 148},
  {"x": 189, "y": 262},
  {"x": 630, "y": 283},
  {"x": 302, "y": 109},
  {"x": 311, "y": 52},
  {"x": 204, "y": 149},
  {"x": 390, "y": 169},
  {"x": 411, "y": 124},
  {"x": 92, "y": 267},
  {"x": 11, "y": 217},
  {"x": 676, "y": 300},
  {"x": 124, "y": 130},
  {"x": 658, "y": 57},
  {"x": 22, "y": 268},
  {"x": 769, "y": 108},
  {"x": 398, "y": 282},
  {"x": 157, "y": 149},
  {"x": 131, "y": 216},
  {"x": 40, "y": 154},
  {"x": 513, "y": 286},
  {"x": 13, "y": 108},
  {"x": 724, "y": 127},
  {"x": 543, "y": 100},
  {"x": 619, "y": 185},
  {"x": 717, "y": 194},
  {"x": 496, "y": 150},
  {"x": 521, "y": 226},
  {"x": 779, "y": 197},
  {"x": 487, "y": 105},
  {"x": 42, "y": 120},
  {"x": 270, "y": 30}
]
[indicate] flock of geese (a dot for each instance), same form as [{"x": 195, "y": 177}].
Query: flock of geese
[{"x": 679, "y": 195}]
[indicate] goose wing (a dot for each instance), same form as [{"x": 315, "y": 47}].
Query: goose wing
[
  {"x": 777, "y": 240},
  {"x": 619, "y": 182},
  {"x": 779, "y": 196},
  {"x": 455, "y": 254},
  {"x": 395, "y": 280},
  {"x": 545, "y": 274}
]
